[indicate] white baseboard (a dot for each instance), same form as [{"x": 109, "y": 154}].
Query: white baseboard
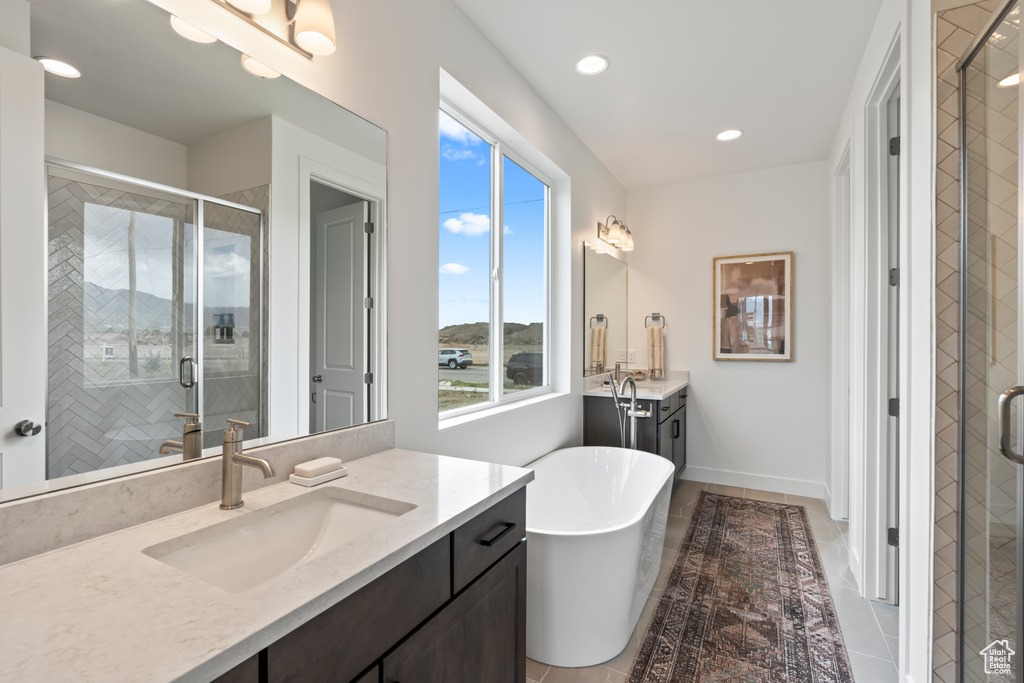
[{"x": 794, "y": 487}]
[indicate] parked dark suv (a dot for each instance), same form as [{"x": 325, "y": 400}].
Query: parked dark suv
[{"x": 526, "y": 367}]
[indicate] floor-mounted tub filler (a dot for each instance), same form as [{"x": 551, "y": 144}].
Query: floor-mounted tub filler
[{"x": 595, "y": 522}]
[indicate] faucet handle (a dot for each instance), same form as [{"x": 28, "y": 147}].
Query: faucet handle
[
  {"x": 238, "y": 423},
  {"x": 187, "y": 416}
]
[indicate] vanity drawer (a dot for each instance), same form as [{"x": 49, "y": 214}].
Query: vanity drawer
[
  {"x": 342, "y": 642},
  {"x": 481, "y": 541}
]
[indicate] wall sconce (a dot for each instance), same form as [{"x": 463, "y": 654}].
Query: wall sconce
[
  {"x": 306, "y": 26},
  {"x": 616, "y": 233}
]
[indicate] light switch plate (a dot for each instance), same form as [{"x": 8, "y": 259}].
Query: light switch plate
[
  {"x": 621, "y": 357},
  {"x": 632, "y": 356}
]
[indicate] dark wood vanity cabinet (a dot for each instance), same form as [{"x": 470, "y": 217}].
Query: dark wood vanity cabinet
[
  {"x": 455, "y": 611},
  {"x": 663, "y": 433}
]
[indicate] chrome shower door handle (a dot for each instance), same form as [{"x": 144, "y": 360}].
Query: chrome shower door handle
[
  {"x": 1005, "y": 416},
  {"x": 193, "y": 371}
]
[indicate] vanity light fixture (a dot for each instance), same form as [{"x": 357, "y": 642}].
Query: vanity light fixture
[
  {"x": 1009, "y": 81},
  {"x": 258, "y": 68},
  {"x": 727, "y": 135},
  {"x": 58, "y": 68},
  {"x": 255, "y": 7},
  {"x": 187, "y": 30},
  {"x": 614, "y": 233},
  {"x": 306, "y": 26},
  {"x": 591, "y": 65}
]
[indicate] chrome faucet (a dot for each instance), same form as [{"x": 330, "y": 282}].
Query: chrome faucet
[
  {"x": 191, "y": 444},
  {"x": 231, "y": 466},
  {"x": 632, "y": 412}
]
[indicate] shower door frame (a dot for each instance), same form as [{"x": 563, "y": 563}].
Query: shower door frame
[
  {"x": 199, "y": 260},
  {"x": 990, "y": 26}
]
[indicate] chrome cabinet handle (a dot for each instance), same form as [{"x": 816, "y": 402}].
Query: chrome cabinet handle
[
  {"x": 194, "y": 370},
  {"x": 1005, "y": 405}
]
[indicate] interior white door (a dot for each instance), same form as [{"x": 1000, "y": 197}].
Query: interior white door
[
  {"x": 339, "y": 318},
  {"x": 22, "y": 271}
]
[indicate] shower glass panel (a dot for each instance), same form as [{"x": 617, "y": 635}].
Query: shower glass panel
[
  {"x": 120, "y": 297},
  {"x": 990, "y": 355},
  {"x": 231, "y": 320}
]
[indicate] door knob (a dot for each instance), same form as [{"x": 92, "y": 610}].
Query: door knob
[
  {"x": 318, "y": 378},
  {"x": 27, "y": 428}
]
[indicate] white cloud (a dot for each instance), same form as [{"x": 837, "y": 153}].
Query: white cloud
[
  {"x": 471, "y": 224},
  {"x": 475, "y": 299},
  {"x": 507, "y": 230},
  {"x": 452, "y": 154},
  {"x": 453, "y": 130},
  {"x": 454, "y": 269}
]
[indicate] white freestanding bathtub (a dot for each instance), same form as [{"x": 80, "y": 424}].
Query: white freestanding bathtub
[{"x": 595, "y": 522}]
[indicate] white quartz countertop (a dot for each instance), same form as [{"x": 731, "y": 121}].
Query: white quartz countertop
[
  {"x": 102, "y": 610},
  {"x": 655, "y": 390}
]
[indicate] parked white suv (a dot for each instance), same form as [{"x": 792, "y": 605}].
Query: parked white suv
[{"x": 454, "y": 358}]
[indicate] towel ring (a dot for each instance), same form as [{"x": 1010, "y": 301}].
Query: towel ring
[
  {"x": 600, "y": 318},
  {"x": 655, "y": 317}
]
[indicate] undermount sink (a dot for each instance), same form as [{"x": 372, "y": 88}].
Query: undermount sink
[{"x": 254, "y": 547}]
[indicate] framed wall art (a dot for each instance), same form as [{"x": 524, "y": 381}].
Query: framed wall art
[{"x": 754, "y": 307}]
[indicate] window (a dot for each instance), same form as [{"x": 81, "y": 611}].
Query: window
[{"x": 493, "y": 270}]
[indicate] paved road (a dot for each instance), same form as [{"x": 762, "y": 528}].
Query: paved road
[{"x": 474, "y": 373}]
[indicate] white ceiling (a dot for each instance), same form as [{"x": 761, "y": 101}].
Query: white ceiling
[{"x": 682, "y": 71}]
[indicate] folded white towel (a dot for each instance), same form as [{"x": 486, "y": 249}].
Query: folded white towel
[
  {"x": 656, "y": 352},
  {"x": 597, "y": 338}
]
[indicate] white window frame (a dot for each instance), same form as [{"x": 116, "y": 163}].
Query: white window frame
[{"x": 499, "y": 149}]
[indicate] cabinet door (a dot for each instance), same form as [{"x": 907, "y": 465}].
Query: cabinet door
[
  {"x": 666, "y": 442},
  {"x": 480, "y": 636},
  {"x": 600, "y": 423}
]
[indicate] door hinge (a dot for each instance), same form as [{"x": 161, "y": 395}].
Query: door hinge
[
  {"x": 368, "y": 378},
  {"x": 368, "y": 227},
  {"x": 368, "y": 302},
  {"x": 894, "y": 537},
  {"x": 894, "y": 277},
  {"x": 894, "y": 146},
  {"x": 894, "y": 407}
]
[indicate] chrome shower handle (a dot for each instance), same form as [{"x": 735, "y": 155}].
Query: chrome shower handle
[
  {"x": 1005, "y": 436},
  {"x": 194, "y": 370}
]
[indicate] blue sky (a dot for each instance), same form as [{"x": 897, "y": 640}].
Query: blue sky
[{"x": 464, "y": 226}]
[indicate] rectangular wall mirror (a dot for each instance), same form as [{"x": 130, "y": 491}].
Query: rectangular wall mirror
[
  {"x": 214, "y": 246},
  {"x": 604, "y": 310}
]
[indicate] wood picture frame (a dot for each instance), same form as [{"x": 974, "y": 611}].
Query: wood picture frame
[{"x": 753, "y": 305}]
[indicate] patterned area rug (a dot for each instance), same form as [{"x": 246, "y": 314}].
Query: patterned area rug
[{"x": 747, "y": 601}]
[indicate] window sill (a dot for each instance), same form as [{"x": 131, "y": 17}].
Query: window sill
[{"x": 479, "y": 413}]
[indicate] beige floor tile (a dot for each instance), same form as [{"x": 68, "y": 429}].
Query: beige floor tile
[
  {"x": 535, "y": 670},
  {"x": 675, "y": 532},
  {"x": 685, "y": 510},
  {"x": 835, "y": 560},
  {"x": 888, "y": 618},
  {"x": 725, "y": 490},
  {"x": 812, "y": 504},
  {"x": 769, "y": 496},
  {"x": 867, "y": 669},
  {"x": 681, "y": 498},
  {"x": 588, "y": 674},
  {"x": 624, "y": 660},
  {"x": 823, "y": 528},
  {"x": 687, "y": 485},
  {"x": 894, "y": 648},
  {"x": 858, "y": 623}
]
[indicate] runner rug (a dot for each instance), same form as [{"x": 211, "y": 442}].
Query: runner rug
[{"x": 747, "y": 600}]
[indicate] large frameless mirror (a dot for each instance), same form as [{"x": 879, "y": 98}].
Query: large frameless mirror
[
  {"x": 214, "y": 248},
  {"x": 604, "y": 311}
]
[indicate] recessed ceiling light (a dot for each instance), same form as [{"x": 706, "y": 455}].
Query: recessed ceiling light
[
  {"x": 58, "y": 68},
  {"x": 1010, "y": 81},
  {"x": 187, "y": 30},
  {"x": 251, "y": 6},
  {"x": 727, "y": 135},
  {"x": 258, "y": 68},
  {"x": 592, "y": 65}
]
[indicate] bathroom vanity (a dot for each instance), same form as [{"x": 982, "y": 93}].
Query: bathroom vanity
[
  {"x": 437, "y": 588},
  {"x": 664, "y": 432}
]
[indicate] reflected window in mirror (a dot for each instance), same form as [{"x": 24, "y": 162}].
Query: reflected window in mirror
[{"x": 494, "y": 264}]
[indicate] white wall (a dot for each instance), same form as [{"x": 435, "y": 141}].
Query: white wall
[
  {"x": 74, "y": 135},
  {"x": 233, "y": 160},
  {"x": 751, "y": 424}
]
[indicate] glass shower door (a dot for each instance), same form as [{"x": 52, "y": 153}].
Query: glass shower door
[
  {"x": 121, "y": 299},
  {"x": 990, "y": 481}
]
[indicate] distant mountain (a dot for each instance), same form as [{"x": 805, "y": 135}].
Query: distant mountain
[
  {"x": 469, "y": 334},
  {"x": 107, "y": 309}
]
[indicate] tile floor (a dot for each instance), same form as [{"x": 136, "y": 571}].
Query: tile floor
[{"x": 869, "y": 629}]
